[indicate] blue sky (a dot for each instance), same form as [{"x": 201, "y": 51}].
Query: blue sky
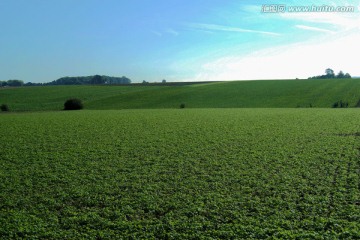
[{"x": 198, "y": 40}]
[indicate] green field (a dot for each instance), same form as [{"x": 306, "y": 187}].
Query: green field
[
  {"x": 179, "y": 173},
  {"x": 238, "y": 94}
]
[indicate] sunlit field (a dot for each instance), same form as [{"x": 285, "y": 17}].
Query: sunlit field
[
  {"x": 321, "y": 93},
  {"x": 180, "y": 174}
]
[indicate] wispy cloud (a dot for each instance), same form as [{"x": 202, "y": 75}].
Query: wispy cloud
[
  {"x": 159, "y": 34},
  {"x": 215, "y": 27},
  {"x": 172, "y": 31},
  {"x": 316, "y": 29},
  {"x": 167, "y": 31}
]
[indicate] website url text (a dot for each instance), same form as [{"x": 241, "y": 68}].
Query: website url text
[{"x": 282, "y": 8}]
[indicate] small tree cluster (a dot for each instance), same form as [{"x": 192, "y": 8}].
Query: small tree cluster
[{"x": 329, "y": 73}]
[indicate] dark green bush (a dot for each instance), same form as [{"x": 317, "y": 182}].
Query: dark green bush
[
  {"x": 340, "y": 104},
  {"x": 73, "y": 104},
  {"x": 4, "y": 108},
  {"x": 358, "y": 103},
  {"x": 182, "y": 105}
]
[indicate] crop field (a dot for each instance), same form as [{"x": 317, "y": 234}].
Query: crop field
[
  {"x": 180, "y": 174},
  {"x": 233, "y": 94}
]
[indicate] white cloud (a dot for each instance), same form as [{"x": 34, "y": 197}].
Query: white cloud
[
  {"x": 298, "y": 60},
  {"x": 338, "y": 21},
  {"x": 215, "y": 27},
  {"x": 316, "y": 29},
  {"x": 336, "y": 50}
]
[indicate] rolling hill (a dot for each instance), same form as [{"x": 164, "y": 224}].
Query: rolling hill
[{"x": 235, "y": 94}]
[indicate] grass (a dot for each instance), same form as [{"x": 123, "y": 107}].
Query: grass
[
  {"x": 180, "y": 174},
  {"x": 238, "y": 94}
]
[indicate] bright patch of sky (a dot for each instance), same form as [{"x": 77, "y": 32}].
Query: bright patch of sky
[{"x": 178, "y": 40}]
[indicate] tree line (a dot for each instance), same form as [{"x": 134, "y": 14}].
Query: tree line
[
  {"x": 11, "y": 83},
  {"x": 96, "y": 79},
  {"x": 329, "y": 73}
]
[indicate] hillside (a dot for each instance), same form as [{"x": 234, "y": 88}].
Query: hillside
[{"x": 237, "y": 94}]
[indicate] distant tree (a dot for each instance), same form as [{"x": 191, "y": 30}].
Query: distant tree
[
  {"x": 4, "y": 108},
  {"x": 125, "y": 80},
  {"x": 73, "y": 104},
  {"x": 117, "y": 80},
  {"x": 66, "y": 81},
  {"x": 29, "y": 84},
  {"x": 329, "y": 73},
  {"x": 163, "y": 81},
  {"x": 347, "y": 75},
  {"x": 97, "y": 79},
  {"x": 15, "y": 83},
  {"x": 144, "y": 82},
  {"x": 340, "y": 75}
]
